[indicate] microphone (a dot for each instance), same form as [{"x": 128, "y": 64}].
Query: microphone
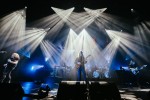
[{"x": 3, "y": 51}]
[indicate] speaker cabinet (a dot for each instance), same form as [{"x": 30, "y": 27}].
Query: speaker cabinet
[
  {"x": 102, "y": 90},
  {"x": 122, "y": 77},
  {"x": 72, "y": 90},
  {"x": 11, "y": 91},
  {"x": 94, "y": 90}
]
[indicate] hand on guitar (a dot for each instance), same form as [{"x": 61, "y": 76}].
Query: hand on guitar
[
  {"x": 5, "y": 65},
  {"x": 79, "y": 63}
]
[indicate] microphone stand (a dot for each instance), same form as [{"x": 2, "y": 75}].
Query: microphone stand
[
  {"x": 3, "y": 52},
  {"x": 87, "y": 88}
]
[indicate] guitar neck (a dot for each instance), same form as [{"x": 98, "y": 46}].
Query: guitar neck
[{"x": 87, "y": 57}]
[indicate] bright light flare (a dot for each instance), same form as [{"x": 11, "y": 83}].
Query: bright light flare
[{"x": 35, "y": 67}]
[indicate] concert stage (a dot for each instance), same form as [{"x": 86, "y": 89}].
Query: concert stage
[
  {"x": 66, "y": 88},
  {"x": 61, "y": 41}
]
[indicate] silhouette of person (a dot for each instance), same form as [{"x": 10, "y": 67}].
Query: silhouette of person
[
  {"x": 9, "y": 67},
  {"x": 79, "y": 62}
]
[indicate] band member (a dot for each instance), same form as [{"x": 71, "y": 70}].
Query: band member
[
  {"x": 79, "y": 62},
  {"x": 3, "y": 59},
  {"x": 9, "y": 67}
]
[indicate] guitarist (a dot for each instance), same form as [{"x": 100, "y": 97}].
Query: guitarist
[{"x": 79, "y": 62}]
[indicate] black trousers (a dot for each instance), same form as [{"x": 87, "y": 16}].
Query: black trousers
[{"x": 6, "y": 75}]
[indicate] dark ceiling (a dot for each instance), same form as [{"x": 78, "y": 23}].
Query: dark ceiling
[{"x": 37, "y": 9}]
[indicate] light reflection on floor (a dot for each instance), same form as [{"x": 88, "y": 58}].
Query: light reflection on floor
[{"x": 135, "y": 93}]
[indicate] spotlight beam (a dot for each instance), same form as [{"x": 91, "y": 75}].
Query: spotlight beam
[
  {"x": 64, "y": 14},
  {"x": 51, "y": 53},
  {"x": 130, "y": 44},
  {"x": 12, "y": 28},
  {"x": 94, "y": 13}
]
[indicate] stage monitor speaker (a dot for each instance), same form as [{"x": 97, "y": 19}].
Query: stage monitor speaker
[
  {"x": 102, "y": 90},
  {"x": 72, "y": 90},
  {"x": 11, "y": 91}
]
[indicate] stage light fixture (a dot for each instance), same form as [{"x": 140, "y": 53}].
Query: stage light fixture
[
  {"x": 64, "y": 14},
  {"x": 94, "y": 13}
]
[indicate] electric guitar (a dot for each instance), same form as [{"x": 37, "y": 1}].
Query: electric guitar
[{"x": 79, "y": 63}]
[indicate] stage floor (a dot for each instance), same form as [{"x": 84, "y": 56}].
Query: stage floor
[{"x": 126, "y": 92}]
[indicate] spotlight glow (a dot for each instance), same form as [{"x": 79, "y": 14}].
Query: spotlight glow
[
  {"x": 35, "y": 67},
  {"x": 51, "y": 53},
  {"x": 64, "y": 14},
  {"x": 94, "y": 13},
  {"x": 130, "y": 44},
  {"x": 109, "y": 51},
  {"x": 67, "y": 56},
  {"x": 83, "y": 41},
  {"x": 31, "y": 40},
  {"x": 12, "y": 28}
]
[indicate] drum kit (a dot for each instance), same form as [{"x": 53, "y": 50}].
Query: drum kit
[
  {"x": 101, "y": 73},
  {"x": 96, "y": 74}
]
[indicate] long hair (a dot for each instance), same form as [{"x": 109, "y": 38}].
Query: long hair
[
  {"x": 15, "y": 56},
  {"x": 81, "y": 56}
]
